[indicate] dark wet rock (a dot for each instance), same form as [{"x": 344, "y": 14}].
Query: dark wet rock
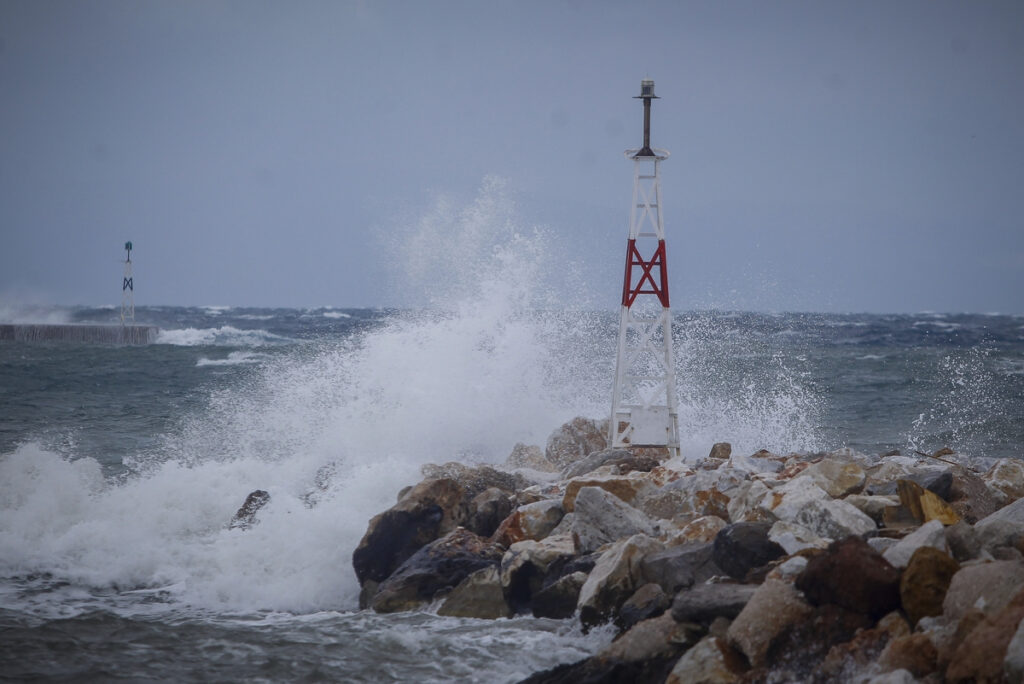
[
  {"x": 649, "y": 601},
  {"x": 246, "y": 515},
  {"x": 604, "y": 671},
  {"x": 487, "y": 510},
  {"x": 577, "y": 439},
  {"x": 852, "y": 575},
  {"x": 435, "y": 569},
  {"x": 558, "y": 599},
  {"x": 924, "y": 583},
  {"x": 429, "y": 510},
  {"x": 679, "y": 567},
  {"x": 744, "y": 546},
  {"x": 705, "y": 602}
]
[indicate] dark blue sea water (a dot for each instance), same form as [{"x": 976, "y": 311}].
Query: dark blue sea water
[{"x": 120, "y": 466}]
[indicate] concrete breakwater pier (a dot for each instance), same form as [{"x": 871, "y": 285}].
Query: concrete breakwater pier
[{"x": 67, "y": 332}]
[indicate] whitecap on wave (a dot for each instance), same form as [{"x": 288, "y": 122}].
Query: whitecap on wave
[{"x": 226, "y": 336}]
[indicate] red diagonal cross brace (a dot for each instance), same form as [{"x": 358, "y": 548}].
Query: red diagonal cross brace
[{"x": 660, "y": 288}]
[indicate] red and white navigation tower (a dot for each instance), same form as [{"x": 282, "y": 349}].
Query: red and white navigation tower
[{"x": 644, "y": 409}]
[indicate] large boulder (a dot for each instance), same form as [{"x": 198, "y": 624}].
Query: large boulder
[
  {"x": 742, "y": 547},
  {"x": 480, "y": 595},
  {"x": 924, "y": 583},
  {"x": 601, "y": 517},
  {"x": 773, "y": 609},
  {"x": 435, "y": 569},
  {"x": 1013, "y": 665},
  {"x": 794, "y": 538},
  {"x": 1004, "y": 526},
  {"x": 429, "y": 510},
  {"x": 624, "y": 460},
  {"x": 614, "y": 579},
  {"x": 680, "y": 567},
  {"x": 576, "y": 439},
  {"x": 854, "y": 576}
]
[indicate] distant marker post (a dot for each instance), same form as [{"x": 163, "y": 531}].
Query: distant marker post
[
  {"x": 644, "y": 410},
  {"x": 128, "y": 288}
]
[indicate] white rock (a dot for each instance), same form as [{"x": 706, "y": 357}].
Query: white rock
[
  {"x": 786, "y": 502},
  {"x": 601, "y": 517},
  {"x": 745, "y": 502},
  {"x": 614, "y": 578},
  {"x": 793, "y": 537},
  {"x": 930, "y": 534},
  {"x": 836, "y": 477},
  {"x": 834, "y": 519}
]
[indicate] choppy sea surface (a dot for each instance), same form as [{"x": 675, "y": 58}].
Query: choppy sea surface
[{"x": 120, "y": 466}]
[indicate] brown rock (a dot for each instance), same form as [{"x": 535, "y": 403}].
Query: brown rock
[
  {"x": 853, "y": 575},
  {"x": 980, "y": 657},
  {"x": 487, "y": 510},
  {"x": 925, "y": 505},
  {"x": 924, "y": 583},
  {"x": 805, "y": 643},
  {"x": 912, "y": 652},
  {"x": 721, "y": 450}
]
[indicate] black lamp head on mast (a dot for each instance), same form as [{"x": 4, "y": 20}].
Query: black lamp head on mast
[{"x": 646, "y": 94}]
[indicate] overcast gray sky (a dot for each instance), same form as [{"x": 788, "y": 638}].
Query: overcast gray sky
[{"x": 826, "y": 156}]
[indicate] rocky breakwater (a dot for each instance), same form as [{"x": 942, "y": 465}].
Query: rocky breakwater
[{"x": 814, "y": 567}]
